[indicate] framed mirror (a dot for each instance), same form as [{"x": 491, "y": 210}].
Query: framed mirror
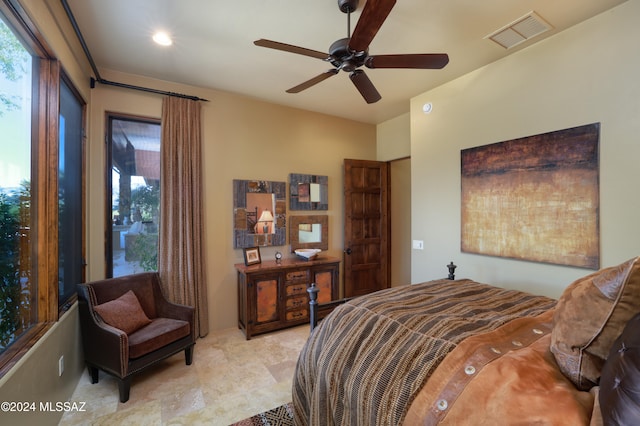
[
  {"x": 308, "y": 192},
  {"x": 309, "y": 232},
  {"x": 259, "y": 213}
]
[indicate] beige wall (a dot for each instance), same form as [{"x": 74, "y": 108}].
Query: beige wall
[
  {"x": 34, "y": 379},
  {"x": 393, "y": 138},
  {"x": 243, "y": 139},
  {"x": 586, "y": 74},
  {"x": 400, "y": 171}
]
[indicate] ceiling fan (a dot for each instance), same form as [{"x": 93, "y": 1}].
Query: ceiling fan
[{"x": 351, "y": 53}]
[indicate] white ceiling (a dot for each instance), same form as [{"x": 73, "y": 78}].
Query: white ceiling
[{"x": 213, "y": 44}]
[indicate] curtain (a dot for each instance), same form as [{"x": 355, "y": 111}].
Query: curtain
[{"x": 181, "y": 261}]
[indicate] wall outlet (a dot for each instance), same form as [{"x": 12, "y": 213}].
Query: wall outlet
[
  {"x": 418, "y": 244},
  {"x": 61, "y": 365}
]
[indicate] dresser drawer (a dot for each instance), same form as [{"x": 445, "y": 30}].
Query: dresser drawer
[
  {"x": 295, "y": 289},
  {"x": 296, "y": 302},
  {"x": 297, "y": 315},
  {"x": 297, "y": 277}
]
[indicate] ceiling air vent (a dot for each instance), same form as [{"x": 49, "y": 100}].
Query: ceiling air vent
[{"x": 519, "y": 31}]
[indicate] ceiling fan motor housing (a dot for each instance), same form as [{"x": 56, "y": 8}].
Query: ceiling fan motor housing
[
  {"x": 344, "y": 58},
  {"x": 347, "y": 6}
]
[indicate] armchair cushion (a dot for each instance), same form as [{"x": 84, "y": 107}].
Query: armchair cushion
[
  {"x": 160, "y": 332},
  {"x": 124, "y": 313}
]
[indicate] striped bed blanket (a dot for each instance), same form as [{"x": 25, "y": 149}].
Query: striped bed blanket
[{"x": 366, "y": 361}]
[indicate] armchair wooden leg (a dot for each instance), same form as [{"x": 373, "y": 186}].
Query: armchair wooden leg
[
  {"x": 93, "y": 372},
  {"x": 188, "y": 355},
  {"x": 124, "y": 385}
]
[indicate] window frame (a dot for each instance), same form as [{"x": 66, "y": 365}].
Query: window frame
[
  {"x": 64, "y": 305},
  {"x": 44, "y": 180}
]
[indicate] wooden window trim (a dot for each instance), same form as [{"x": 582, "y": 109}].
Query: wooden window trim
[
  {"x": 47, "y": 191},
  {"x": 44, "y": 184}
]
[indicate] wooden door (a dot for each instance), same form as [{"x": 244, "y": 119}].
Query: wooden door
[{"x": 366, "y": 227}]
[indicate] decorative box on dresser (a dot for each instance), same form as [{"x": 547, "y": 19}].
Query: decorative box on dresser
[{"x": 274, "y": 296}]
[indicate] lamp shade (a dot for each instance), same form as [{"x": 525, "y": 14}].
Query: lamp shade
[
  {"x": 265, "y": 223},
  {"x": 266, "y": 216}
]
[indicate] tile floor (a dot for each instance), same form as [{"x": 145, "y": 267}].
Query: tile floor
[{"x": 231, "y": 378}]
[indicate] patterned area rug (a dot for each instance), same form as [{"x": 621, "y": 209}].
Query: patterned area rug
[{"x": 279, "y": 416}]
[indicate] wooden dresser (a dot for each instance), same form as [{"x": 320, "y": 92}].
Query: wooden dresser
[{"x": 272, "y": 296}]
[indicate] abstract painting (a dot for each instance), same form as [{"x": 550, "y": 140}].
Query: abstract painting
[{"x": 534, "y": 198}]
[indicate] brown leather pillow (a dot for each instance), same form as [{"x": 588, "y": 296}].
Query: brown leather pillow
[
  {"x": 124, "y": 313},
  {"x": 589, "y": 316},
  {"x": 619, "y": 395}
]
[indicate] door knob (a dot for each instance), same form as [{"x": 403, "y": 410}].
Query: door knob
[{"x": 347, "y": 250}]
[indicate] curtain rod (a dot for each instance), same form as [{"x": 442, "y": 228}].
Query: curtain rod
[
  {"x": 101, "y": 80},
  {"x": 144, "y": 89}
]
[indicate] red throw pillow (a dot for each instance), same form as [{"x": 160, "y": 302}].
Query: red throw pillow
[{"x": 124, "y": 313}]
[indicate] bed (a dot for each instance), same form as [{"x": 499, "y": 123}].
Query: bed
[{"x": 463, "y": 352}]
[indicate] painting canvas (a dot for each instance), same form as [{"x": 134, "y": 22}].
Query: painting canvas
[{"x": 534, "y": 198}]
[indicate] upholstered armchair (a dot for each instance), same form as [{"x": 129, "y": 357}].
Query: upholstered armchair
[{"x": 127, "y": 325}]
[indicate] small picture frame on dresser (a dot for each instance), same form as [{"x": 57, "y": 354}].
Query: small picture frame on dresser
[{"x": 251, "y": 255}]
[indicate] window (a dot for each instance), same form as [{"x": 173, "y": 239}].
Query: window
[
  {"x": 41, "y": 121},
  {"x": 17, "y": 288},
  {"x": 70, "y": 160},
  {"x": 134, "y": 183}
]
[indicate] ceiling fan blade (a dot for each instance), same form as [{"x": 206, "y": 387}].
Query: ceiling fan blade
[
  {"x": 291, "y": 48},
  {"x": 365, "y": 86},
  {"x": 373, "y": 16},
  {"x": 311, "y": 82},
  {"x": 421, "y": 61}
]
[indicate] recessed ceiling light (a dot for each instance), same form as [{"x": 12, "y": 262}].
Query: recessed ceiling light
[{"x": 162, "y": 38}]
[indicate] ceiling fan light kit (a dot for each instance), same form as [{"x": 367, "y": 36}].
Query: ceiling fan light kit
[{"x": 351, "y": 53}]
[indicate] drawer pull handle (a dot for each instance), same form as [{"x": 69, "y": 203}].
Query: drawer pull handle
[{"x": 294, "y": 276}]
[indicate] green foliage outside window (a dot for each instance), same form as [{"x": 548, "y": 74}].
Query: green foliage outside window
[
  {"x": 144, "y": 248},
  {"x": 15, "y": 232},
  {"x": 14, "y": 265},
  {"x": 147, "y": 200},
  {"x": 13, "y": 62}
]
